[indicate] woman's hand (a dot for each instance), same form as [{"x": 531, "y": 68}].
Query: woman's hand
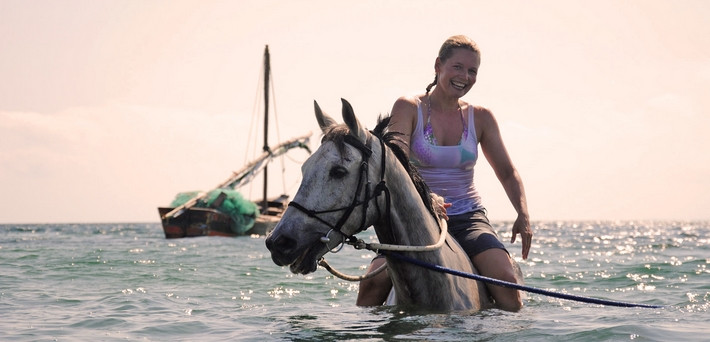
[
  {"x": 440, "y": 206},
  {"x": 522, "y": 227}
]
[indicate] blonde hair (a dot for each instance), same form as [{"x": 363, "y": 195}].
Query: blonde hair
[{"x": 447, "y": 50}]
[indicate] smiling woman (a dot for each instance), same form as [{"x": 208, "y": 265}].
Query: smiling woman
[{"x": 443, "y": 143}]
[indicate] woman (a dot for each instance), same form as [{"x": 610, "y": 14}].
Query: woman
[{"x": 441, "y": 132}]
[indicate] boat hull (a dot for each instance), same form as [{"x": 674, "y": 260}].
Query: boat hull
[{"x": 197, "y": 221}]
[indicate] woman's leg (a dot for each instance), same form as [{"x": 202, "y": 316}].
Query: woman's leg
[
  {"x": 496, "y": 263},
  {"x": 374, "y": 291}
]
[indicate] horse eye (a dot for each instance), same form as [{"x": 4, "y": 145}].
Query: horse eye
[{"x": 338, "y": 172}]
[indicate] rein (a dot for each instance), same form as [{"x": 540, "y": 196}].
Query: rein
[
  {"x": 502, "y": 283},
  {"x": 376, "y": 247},
  {"x": 493, "y": 281},
  {"x": 344, "y": 276}
]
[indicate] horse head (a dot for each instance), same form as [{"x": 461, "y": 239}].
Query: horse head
[{"x": 331, "y": 204}]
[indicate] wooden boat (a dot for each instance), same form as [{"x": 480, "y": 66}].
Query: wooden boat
[{"x": 204, "y": 214}]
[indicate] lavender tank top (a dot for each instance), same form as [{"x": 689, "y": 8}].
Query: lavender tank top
[{"x": 448, "y": 170}]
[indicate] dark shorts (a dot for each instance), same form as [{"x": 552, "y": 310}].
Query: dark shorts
[{"x": 474, "y": 232}]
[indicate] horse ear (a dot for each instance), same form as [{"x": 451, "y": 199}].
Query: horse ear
[
  {"x": 352, "y": 122},
  {"x": 324, "y": 121}
]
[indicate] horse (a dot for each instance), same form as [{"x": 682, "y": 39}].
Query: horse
[{"x": 336, "y": 200}]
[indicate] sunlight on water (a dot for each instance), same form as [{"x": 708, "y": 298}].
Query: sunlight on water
[{"x": 117, "y": 282}]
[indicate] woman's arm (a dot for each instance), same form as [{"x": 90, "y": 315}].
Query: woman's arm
[{"x": 497, "y": 155}]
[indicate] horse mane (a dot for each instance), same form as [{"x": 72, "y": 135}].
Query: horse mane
[
  {"x": 337, "y": 135},
  {"x": 390, "y": 139}
]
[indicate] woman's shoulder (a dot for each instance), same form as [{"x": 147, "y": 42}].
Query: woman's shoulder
[
  {"x": 485, "y": 122},
  {"x": 408, "y": 101},
  {"x": 404, "y": 115},
  {"x": 406, "y": 105},
  {"x": 482, "y": 113}
]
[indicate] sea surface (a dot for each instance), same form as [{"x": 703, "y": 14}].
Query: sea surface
[{"x": 113, "y": 282}]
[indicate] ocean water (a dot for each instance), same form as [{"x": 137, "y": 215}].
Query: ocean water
[{"x": 111, "y": 282}]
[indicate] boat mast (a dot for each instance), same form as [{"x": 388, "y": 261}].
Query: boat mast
[{"x": 267, "y": 72}]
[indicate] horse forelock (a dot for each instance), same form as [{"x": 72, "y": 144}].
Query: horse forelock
[{"x": 336, "y": 134}]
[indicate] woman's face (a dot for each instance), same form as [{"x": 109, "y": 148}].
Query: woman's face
[{"x": 458, "y": 74}]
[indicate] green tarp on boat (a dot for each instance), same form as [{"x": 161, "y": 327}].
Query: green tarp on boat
[{"x": 242, "y": 211}]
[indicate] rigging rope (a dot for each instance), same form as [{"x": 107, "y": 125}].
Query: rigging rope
[
  {"x": 276, "y": 125},
  {"x": 253, "y": 124},
  {"x": 249, "y": 151},
  {"x": 257, "y": 117}
]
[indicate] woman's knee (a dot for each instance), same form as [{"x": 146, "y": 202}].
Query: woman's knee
[{"x": 374, "y": 291}]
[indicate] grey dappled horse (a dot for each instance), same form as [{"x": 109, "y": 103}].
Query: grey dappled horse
[{"x": 357, "y": 179}]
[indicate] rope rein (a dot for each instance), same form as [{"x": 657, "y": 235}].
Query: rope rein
[
  {"x": 519, "y": 286},
  {"x": 344, "y": 276},
  {"x": 485, "y": 279},
  {"x": 376, "y": 247}
]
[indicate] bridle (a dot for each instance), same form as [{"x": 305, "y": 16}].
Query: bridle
[{"x": 363, "y": 185}]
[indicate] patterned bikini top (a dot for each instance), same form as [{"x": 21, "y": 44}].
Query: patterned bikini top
[
  {"x": 429, "y": 131},
  {"x": 447, "y": 170}
]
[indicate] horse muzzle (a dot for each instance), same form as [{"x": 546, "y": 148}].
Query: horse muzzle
[
  {"x": 282, "y": 249},
  {"x": 301, "y": 254}
]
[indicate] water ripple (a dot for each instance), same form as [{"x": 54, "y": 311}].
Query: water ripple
[{"x": 126, "y": 281}]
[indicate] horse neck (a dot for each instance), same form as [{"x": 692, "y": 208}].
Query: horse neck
[{"x": 409, "y": 222}]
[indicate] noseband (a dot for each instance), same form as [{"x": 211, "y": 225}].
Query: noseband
[{"x": 381, "y": 187}]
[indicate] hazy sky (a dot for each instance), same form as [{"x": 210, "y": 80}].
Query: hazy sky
[{"x": 109, "y": 108}]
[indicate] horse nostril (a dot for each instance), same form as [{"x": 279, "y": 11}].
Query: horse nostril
[{"x": 282, "y": 243}]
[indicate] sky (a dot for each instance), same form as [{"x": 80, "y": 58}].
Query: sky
[{"x": 109, "y": 108}]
